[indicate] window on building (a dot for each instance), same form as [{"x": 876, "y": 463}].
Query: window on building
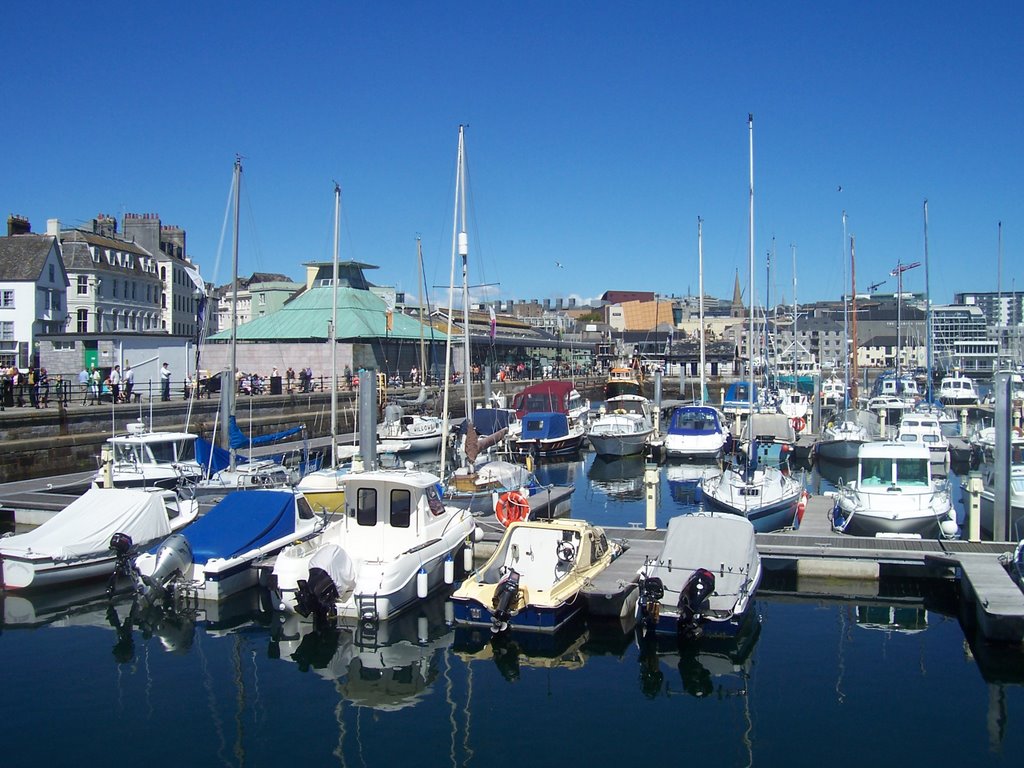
[
  {"x": 263, "y": 299},
  {"x": 113, "y": 288},
  {"x": 7, "y": 330},
  {"x": 99, "y": 320},
  {"x": 7, "y": 299},
  {"x": 53, "y": 273},
  {"x": 82, "y": 283},
  {"x": 83, "y": 321}
]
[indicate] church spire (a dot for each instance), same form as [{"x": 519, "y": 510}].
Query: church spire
[{"x": 737, "y": 297}]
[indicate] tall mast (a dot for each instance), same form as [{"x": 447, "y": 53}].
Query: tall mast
[
  {"x": 231, "y": 385},
  {"x": 853, "y": 294},
  {"x": 927, "y": 303},
  {"x": 999, "y": 295},
  {"x": 464, "y": 253},
  {"x": 750, "y": 267},
  {"x": 423, "y": 349},
  {"x": 846, "y": 322},
  {"x": 457, "y": 240},
  {"x": 334, "y": 328},
  {"x": 796, "y": 380},
  {"x": 700, "y": 300}
]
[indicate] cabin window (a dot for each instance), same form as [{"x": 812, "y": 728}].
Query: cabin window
[
  {"x": 912, "y": 471},
  {"x": 187, "y": 450},
  {"x": 434, "y": 501},
  {"x": 305, "y": 511},
  {"x": 163, "y": 453},
  {"x": 875, "y": 471},
  {"x": 366, "y": 506},
  {"x": 401, "y": 508}
]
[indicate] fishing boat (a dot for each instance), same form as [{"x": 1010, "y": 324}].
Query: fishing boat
[
  {"x": 549, "y": 434},
  {"x": 213, "y": 557},
  {"x": 924, "y": 429},
  {"x": 894, "y": 493},
  {"x": 957, "y": 390},
  {"x": 622, "y": 381},
  {"x": 703, "y": 580},
  {"x": 695, "y": 432},
  {"x": 623, "y": 426},
  {"x": 769, "y": 498},
  {"x": 143, "y": 458},
  {"x": 533, "y": 579},
  {"x": 395, "y": 544},
  {"x": 78, "y": 542}
]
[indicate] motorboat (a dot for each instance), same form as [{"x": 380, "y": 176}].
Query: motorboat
[
  {"x": 76, "y": 543},
  {"x": 703, "y": 580},
  {"x": 142, "y": 458},
  {"x": 533, "y": 579},
  {"x": 894, "y": 493},
  {"x": 844, "y": 434},
  {"x": 924, "y": 429},
  {"x": 772, "y": 435},
  {"x": 890, "y": 410},
  {"x": 984, "y": 444},
  {"x": 957, "y": 390},
  {"x": 623, "y": 427},
  {"x": 214, "y": 557},
  {"x": 832, "y": 391},
  {"x": 695, "y": 432},
  {"x": 622, "y": 381},
  {"x": 765, "y": 495},
  {"x": 421, "y": 432},
  {"x": 552, "y": 397},
  {"x": 546, "y": 434},
  {"x": 395, "y": 544},
  {"x": 793, "y": 403}
]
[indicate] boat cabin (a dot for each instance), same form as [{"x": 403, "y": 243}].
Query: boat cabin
[
  {"x": 388, "y": 512},
  {"x": 889, "y": 465},
  {"x": 551, "y": 396},
  {"x": 695, "y": 420}
]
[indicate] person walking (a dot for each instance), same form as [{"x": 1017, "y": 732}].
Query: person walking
[
  {"x": 83, "y": 383},
  {"x": 165, "y": 382},
  {"x": 128, "y": 379},
  {"x": 115, "y": 384},
  {"x": 43, "y": 383},
  {"x": 94, "y": 385}
]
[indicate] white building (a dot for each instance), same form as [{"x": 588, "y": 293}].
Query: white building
[{"x": 33, "y": 292}]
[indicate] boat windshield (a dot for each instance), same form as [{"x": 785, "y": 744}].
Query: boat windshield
[
  {"x": 912, "y": 471},
  {"x": 128, "y": 453},
  {"x": 697, "y": 422},
  {"x": 162, "y": 453}
]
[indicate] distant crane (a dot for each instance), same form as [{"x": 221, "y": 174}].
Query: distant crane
[{"x": 875, "y": 286}]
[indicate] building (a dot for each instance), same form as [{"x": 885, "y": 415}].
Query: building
[
  {"x": 33, "y": 292},
  {"x": 961, "y": 340},
  {"x": 259, "y": 295}
]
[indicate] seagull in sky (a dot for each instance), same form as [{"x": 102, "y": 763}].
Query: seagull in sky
[{"x": 559, "y": 265}]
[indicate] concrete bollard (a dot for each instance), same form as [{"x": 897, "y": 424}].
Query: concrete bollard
[
  {"x": 651, "y": 479},
  {"x": 972, "y": 505}
]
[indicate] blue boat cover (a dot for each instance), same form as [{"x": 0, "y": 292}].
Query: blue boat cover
[
  {"x": 739, "y": 392},
  {"x": 490, "y": 420},
  {"x": 244, "y": 520},
  {"x": 545, "y": 426},
  {"x": 214, "y": 459},
  {"x": 239, "y": 440}
]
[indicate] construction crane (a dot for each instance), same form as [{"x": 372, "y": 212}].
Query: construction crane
[{"x": 875, "y": 286}]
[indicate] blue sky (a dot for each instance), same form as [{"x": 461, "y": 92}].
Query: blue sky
[{"x": 598, "y": 133}]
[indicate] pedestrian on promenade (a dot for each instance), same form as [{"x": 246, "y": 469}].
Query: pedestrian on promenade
[
  {"x": 128, "y": 379},
  {"x": 115, "y": 384},
  {"x": 165, "y": 382}
]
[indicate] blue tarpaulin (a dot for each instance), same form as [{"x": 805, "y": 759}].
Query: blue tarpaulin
[
  {"x": 239, "y": 440},
  {"x": 545, "y": 426},
  {"x": 242, "y": 521},
  {"x": 220, "y": 458}
]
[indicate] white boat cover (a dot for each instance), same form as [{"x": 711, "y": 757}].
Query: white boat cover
[
  {"x": 336, "y": 563},
  {"x": 724, "y": 544},
  {"x": 85, "y": 526}
]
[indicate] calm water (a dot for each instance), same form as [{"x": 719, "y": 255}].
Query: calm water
[{"x": 891, "y": 680}]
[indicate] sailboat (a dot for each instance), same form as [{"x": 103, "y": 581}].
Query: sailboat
[{"x": 763, "y": 494}]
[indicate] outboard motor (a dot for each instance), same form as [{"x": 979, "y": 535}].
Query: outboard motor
[
  {"x": 651, "y": 590},
  {"x": 693, "y": 599},
  {"x": 332, "y": 578},
  {"x": 505, "y": 595},
  {"x": 173, "y": 560},
  {"x": 122, "y": 544}
]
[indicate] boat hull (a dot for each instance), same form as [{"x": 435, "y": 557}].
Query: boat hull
[
  {"x": 531, "y": 618},
  {"x": 619, "y": 445},
  {"x": 38, "y": 573},
  {"x": 564, "y": 446},
  {"x": 838, "y": 451}
]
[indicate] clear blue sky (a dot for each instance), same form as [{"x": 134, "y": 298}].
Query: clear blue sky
[{"x": 598, "y": 133}]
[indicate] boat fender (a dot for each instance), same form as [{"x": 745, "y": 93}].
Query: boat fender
[
  {"x": 449, "y": 570},
  {"x": 798, "y": 423},
  {"x": 422, "y": 584},
  {"x": 801, "y": 507},
  {"x": 467, "y": 556},
  {"x": 512, "y": 507}
]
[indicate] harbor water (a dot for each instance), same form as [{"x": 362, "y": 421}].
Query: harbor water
[{"x": 893, "y": 678}]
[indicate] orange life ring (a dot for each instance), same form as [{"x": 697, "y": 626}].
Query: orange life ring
[
  {"x": 798, "y": 423},
  {"x": 512, "y": 507}
]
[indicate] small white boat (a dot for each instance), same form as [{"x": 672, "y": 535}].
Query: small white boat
[
  {"x": 394, "y": 545},
  {"x": 533, "y": 579},
  {"x": 894, "y": 494},
  {"x": 214, "y": 557},
  {"x": 984, "y": 443},
  {"x": 703, "y": 579},
  {"x": 958, "y": 390},
  {"x": 924, "y": 429},
  {"x": 422, "y": 433},
  {"x": 695, "y": 432},
  {"x": 623, "y": 428},
  {"x": 146, "y": 459},
  {"x": 75, "y": 544},
  {"x": 844, "y": 434},
  {"x": 833, "y": 391}
]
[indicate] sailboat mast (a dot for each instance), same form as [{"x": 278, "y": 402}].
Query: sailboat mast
[
  {"x": 467, "y": 364},
  {"x": 700, "y": 300},
  {"x": 928, "y": 302},
  {"x": 853, "y": 294},
  {"x": 451, "y": 304},
  {"x": 423, "y": 348},
  {"x": 750, "y": 257},
  {"x": 846, "y": 324},
  {"x": 334, "y": 328},
  {"x": 230, "y": 386},
  {"x": 796, "y": 379}
]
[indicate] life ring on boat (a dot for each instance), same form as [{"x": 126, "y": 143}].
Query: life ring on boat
[
  {"x": 512, "y": 507},
  {"x": 798, "y": 423}
]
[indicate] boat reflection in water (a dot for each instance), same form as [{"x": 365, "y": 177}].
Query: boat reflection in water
[
  {"x": 384, "y": 666},
  {"x": 683, "y": 478},
  {"x": 620, "y": 478},
  {"x": 713, "y": 665}
]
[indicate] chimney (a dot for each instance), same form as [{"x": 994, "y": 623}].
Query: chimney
[{"x": 53, "y": 228}]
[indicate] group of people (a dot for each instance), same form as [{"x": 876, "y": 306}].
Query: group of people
[
  {"x": 118, "y": 385},
  {"x": 305, "y": 379},
  {"x": 16, "y": 384}
]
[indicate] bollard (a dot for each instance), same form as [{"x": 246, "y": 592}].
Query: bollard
[
  {"x": 651, "y": 477},
  {"x": 972, "y": 506},
  {"x": 107, "y": 458}
]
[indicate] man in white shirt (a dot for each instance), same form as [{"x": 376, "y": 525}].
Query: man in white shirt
[
  {"x": 165, "y": 383},
  {"x": 115, "y": 384},
  {"x": 128, "y": 379}
]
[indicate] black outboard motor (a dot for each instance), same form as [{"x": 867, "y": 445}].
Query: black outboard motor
[
  {"x": 693, "y": 599},
  {"x": 318, "y": 596},
  {"x": 651, "y": 591},
  {"x": 505, "y": 595},
  {"x": 121, "y": 543}
]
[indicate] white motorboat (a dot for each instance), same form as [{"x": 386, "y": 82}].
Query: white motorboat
[
  {"x": 924, "y": 429},
  {"x": 844, "y": 434},
  {"x": 533, "y": 579},
  {"x": 214, "y": 557},
  {"x": 833, "y": 391},
  {"x": 421, "y": 433},
  {"x": 890, "y": 410},
  {"x": 394, "y": 545},
  {"x": 695, "y": 432},
  {"x": 76, "y": 543},
  {"x": 894, "y": 494},
  {"x": 623, "y": 427},
  {"x": 146, "y": 459},
  {"x": 958, "y": 390},
  {"x": 984, "y": 443},
  {"x": 703, "y": 579}
]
